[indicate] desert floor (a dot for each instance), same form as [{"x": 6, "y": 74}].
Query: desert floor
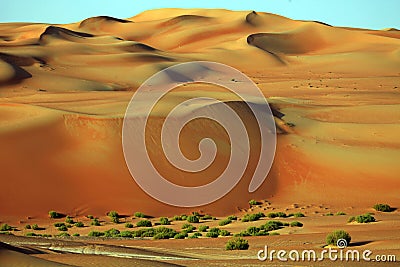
[{"x": 64, "y": 90}]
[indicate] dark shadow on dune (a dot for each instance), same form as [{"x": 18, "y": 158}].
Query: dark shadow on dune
[
  {"x": 60, "y": 32},
  {"x": 102, "y": 18},
  {"x": 251, "y": 40}
]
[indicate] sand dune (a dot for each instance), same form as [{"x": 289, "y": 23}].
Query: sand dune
[{"x": 64, "y": 90}]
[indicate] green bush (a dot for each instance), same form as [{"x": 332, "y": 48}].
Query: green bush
[
  {"x": 340, "y": 213},
  {"x": 90, "y": 217},
  {"x": 114, "y": 219},
  {"x": 112, "y": 233},
  {"x": 76, "y": 234},
  {"x": 328, "y": 214},
  {"x": 224, "y": 233},
  {"x": 5, "y": 227},
  {"x": 296, "y": 224},
  {"x": 383, "y": 207},
  {"x": 95, "y": 222},
  {"x": 128, "y": 225},
  {"x": 28, "y": 226},
  {"x": 298, "y": 215},
  {"x": 54, "y": 215},
  {"x": 164, "y": 233},
  {"x": 63, "y": 228},
  {"x": 212, "y": 234},
  {"x": 252, "y": 230},
  {"x": 203, "y": 228},
  {"x": 197, "y": 234},
  {"x": 126, "y": 234},
  {"x": 112, "y": 214},
  {"x": 144, "y": 223},
  {"x": 79, "y": 224},
  {"x": 365, "y": 218},
  {"x": 224, "y": 222},
  {"x": 274, "y": 233},
  {"x": 30, "y": 234},
  {"x": 232, "y": 218},
  {"x": 63, "y": 235},
  {"x": 188, "y": 227},
  {"x": 95, "y": 234},
  {"x": 351, "y": 219},
  {"x": 180, "y": 236},
  {"x": 253, "y": 202},
  {"x": 139, "y": 215},
  {"x": 69, "y": 220},
  {"x": 164, "y": 221},
  {"x": 193, "y": 219},
  {"x": 177, "y": 218},
  {"x": 272, "y": 225},
  {"x": 332, "y": 238},
  {"x": 59, "y": 224},
  {"x": 276, "y": 215},
  {"x": 237, "y": 244},
  {"x": 252, "y": 217},
  {"x": 35, "y": 227}
]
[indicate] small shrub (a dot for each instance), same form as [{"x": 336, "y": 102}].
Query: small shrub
[
  {"x": 115, "y": 219},
  {"x": 128, "y": 225},
  {"x": 224, "y": 233},
  {"x": 237, "y": 244},
  {"x": 113, "y": 214},
  {"x": 69, "y": 220},
  {"x": 164, "y": 233},
  {"x": 383, "y": 207},
  {"x": 193, "y": 219},
  {"x": 340, "y": 213},
  {"x": 180, "y": 236},
  {"x": 212, "y": 234},
  {"x": 28, "y": 226},
  {"x": 177, "y": 218},
  {"x": 30, "y": 234},
  {"x": 332, "y": 238},
  {"x": 296, "y": 224},
  {"x": 164, "y": 221},
  {"x": 54, "y": 215},
  {"x": 112, "y": 233},
  {"x": 197, "y": 234},
  {"x": 139, "y": 215},
  {"x": 252, "y": 217},
  {"x": 203, "y": 228},
  {"x": 144, "y": 223},
  {"x": 365, "y": 218},
  {"x": 59, "y": 224},
  {"x": 90, "y": 217},
  {"x": 272, "y": 225},
  {"x": 95, "y": 222},
  {"x": 224, "y": 222},
  {"x": 76, "y": 234},
  {"x": 35, "y": 227},
  {"x": 63, "y": 228},
  {"x": 276, "y": 215},
  {"x": 328, "y": 214},
  {"x": 63, "y": 235},
  {"x": 274, "y": 233},
  {"x": 232, "y": 218},
  {"x": 298, "y": 215},
  {"x": 126, "y": 234},
  {"x": 95, "y": 234},
  {"x": 253, "y": 202},
  {"x": 79, "y": 224}
]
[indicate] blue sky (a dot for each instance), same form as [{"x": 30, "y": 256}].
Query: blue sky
[{"x": 374, "y": 14}]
